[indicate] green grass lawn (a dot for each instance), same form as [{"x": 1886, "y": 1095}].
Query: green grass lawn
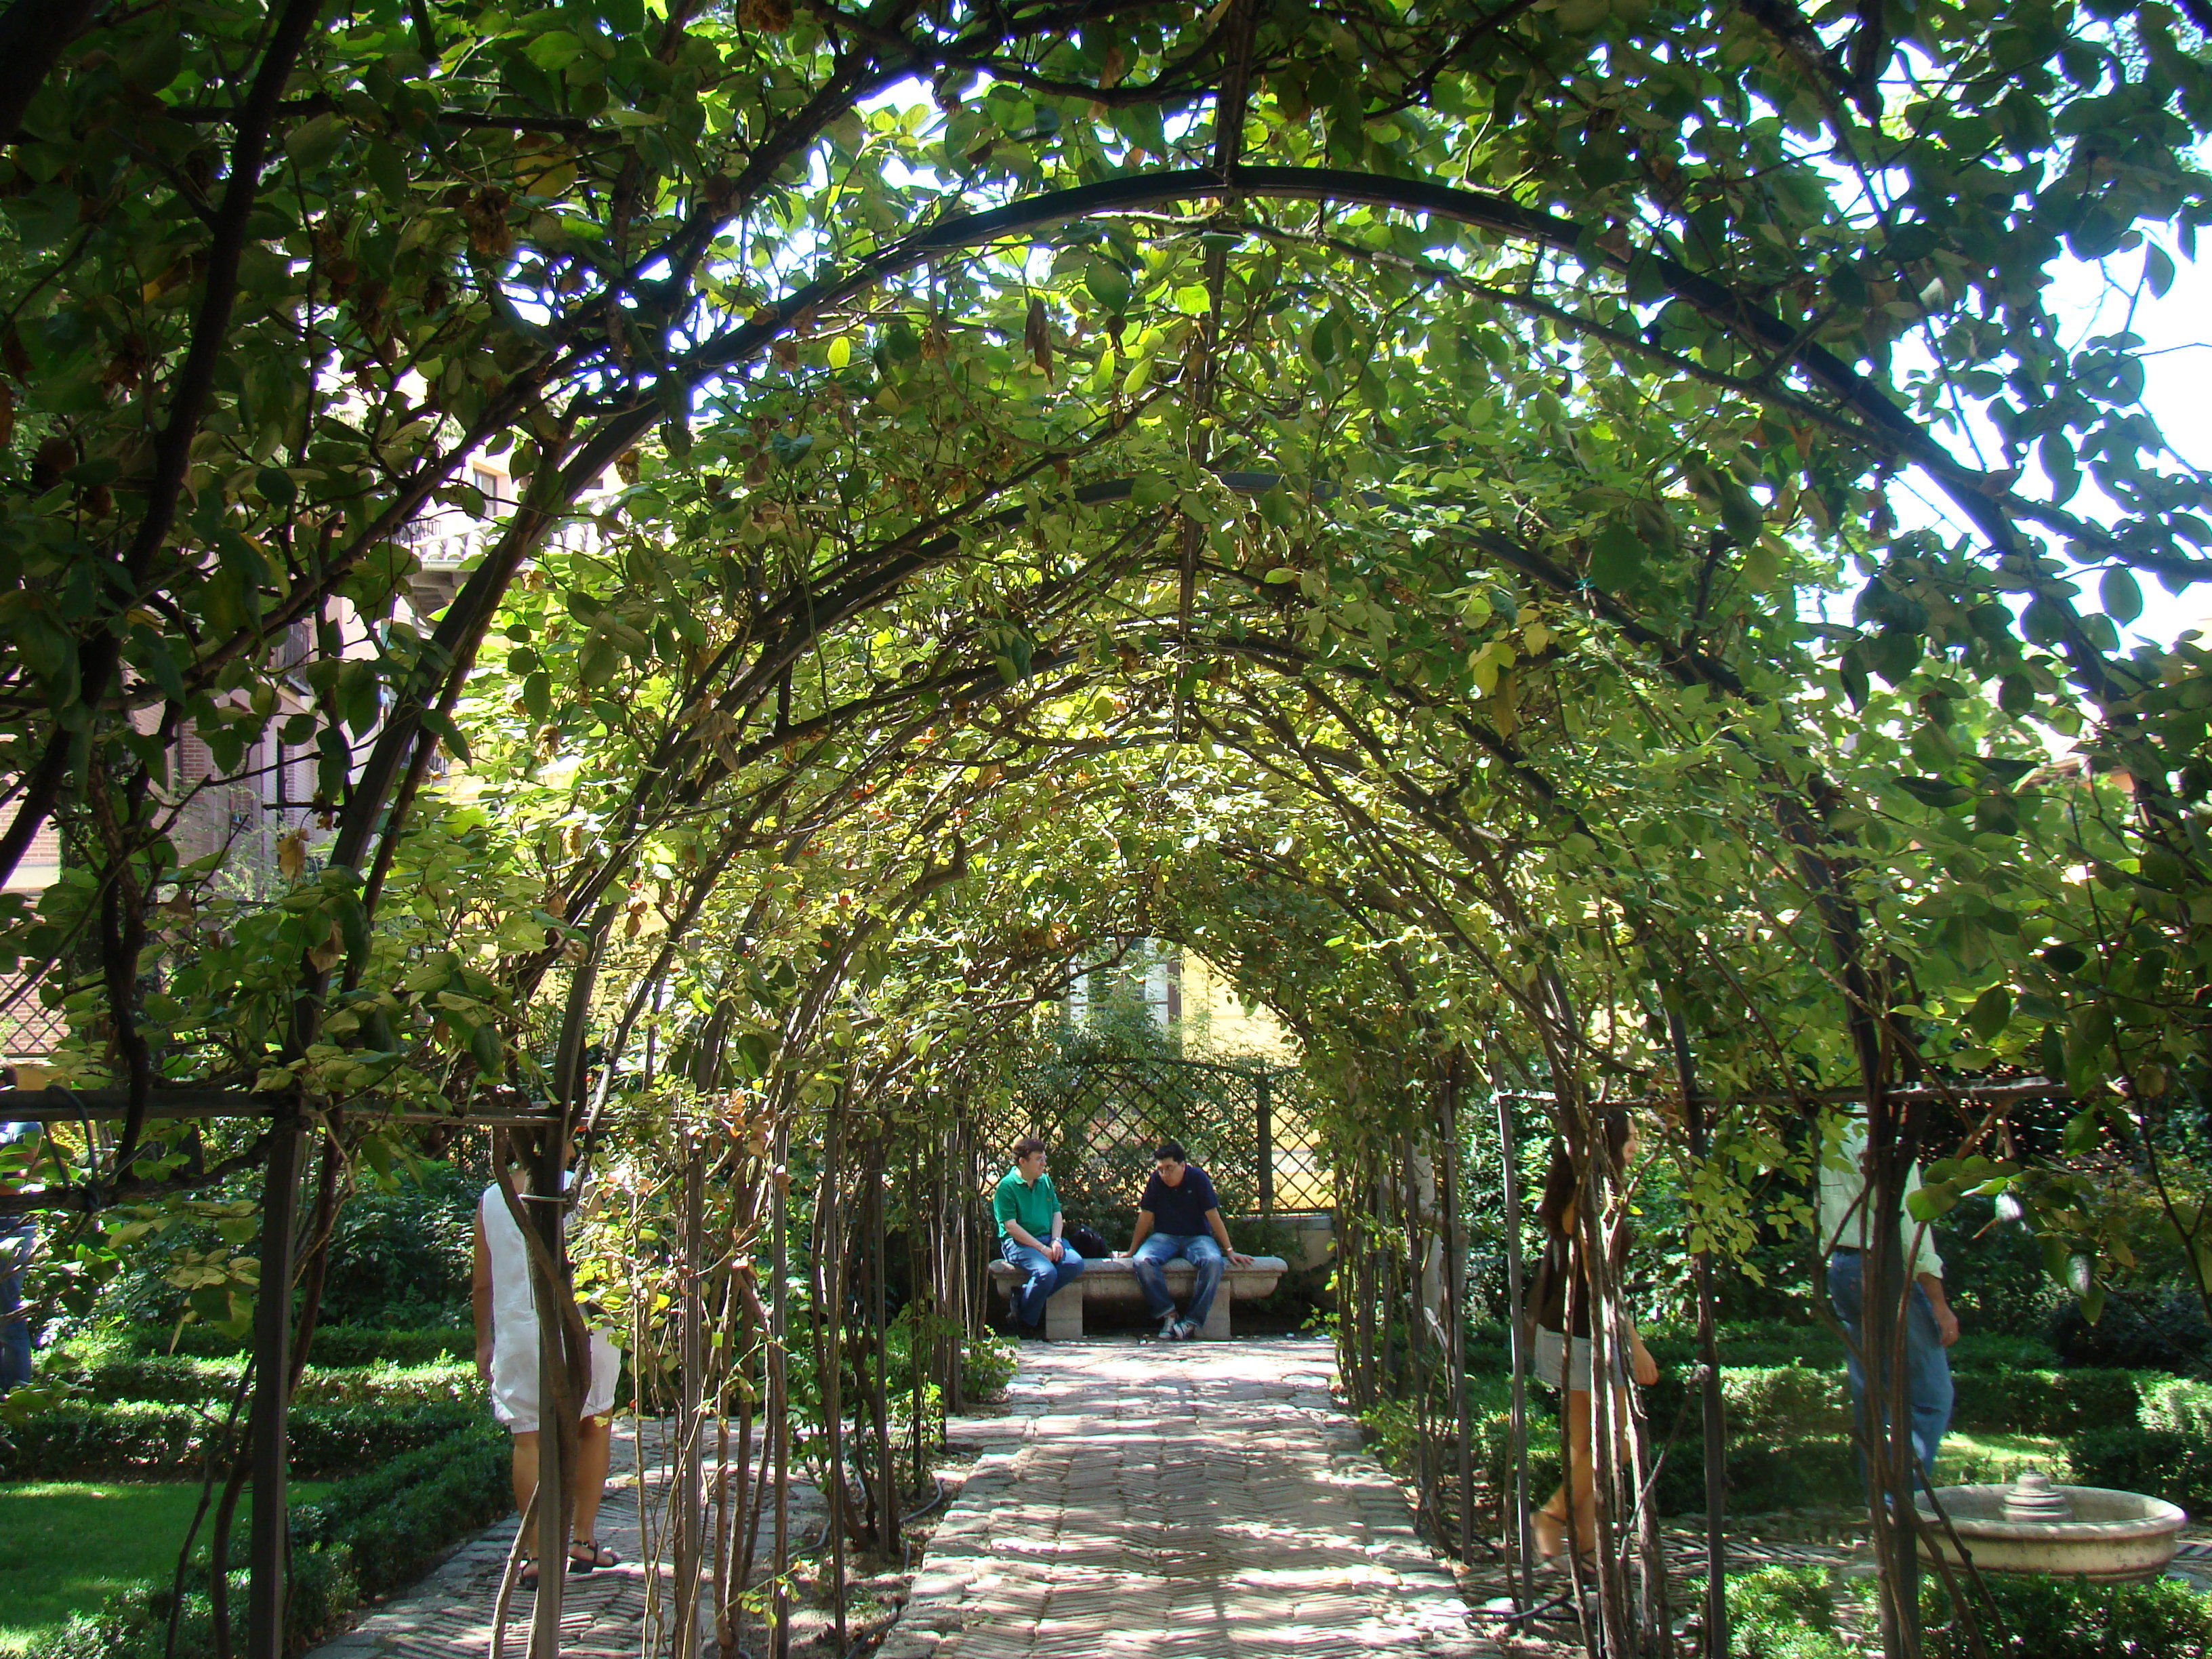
[
  {"x": 1987, "y": 1459},
  {"x": 66, "y": 1544}
]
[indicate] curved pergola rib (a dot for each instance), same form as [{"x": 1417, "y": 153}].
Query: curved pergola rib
[{"x": 1488, "y": 210}]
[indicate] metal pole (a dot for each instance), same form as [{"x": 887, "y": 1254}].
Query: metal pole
[
  {"x": 1518, "y": 1541},
  {"x": 1716, "y": 1642},
  {"x": 1454, "y": 1234},
  {"x": 272, "y": 1378},
  {"x": 691, "y": 1259},
  {"x": 553, "y": 1474},
  {"x": 1265, "y": 1111}
]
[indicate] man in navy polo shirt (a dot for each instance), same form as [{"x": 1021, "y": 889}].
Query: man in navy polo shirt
[{"x": 1179, "y": 1215}]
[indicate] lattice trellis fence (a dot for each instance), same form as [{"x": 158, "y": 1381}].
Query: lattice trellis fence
[{"x": 1254, "y": 1129}]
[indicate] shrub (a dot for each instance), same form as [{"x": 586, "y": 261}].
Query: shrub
[
  {"x": 2166, "y": 1463},
  {"x": 2036, "y": 1401},
  {"x": 987, "y": 1363},
  {"x": 402, "y": 1258},
  {"x": 179, "y": 1379},
  {"x": 2073, "y": 1619},
  {"x": 2176, "y": 1406},
  {"x": 134, "y": 1623},
  {"x": 1785, "y": 1402},
  {"x": 396, "y": 1519},
  {"x": 86, "y": 1440},
  {"x": 367, "y": 1537},
  {"x": 2157, "y": 1328},
  {"x": 1782, "y": 1613},
  {"x": 334, "y": 1346}
]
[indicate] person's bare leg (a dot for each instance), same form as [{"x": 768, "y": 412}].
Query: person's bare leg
[
  {"x": 594, "y": 1450},
  {"x": 1570, "y": 1515},
  {"x": 525, "y": 1467}
]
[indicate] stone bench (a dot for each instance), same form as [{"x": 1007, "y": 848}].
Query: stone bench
[{"x": 1114, "y": 1284}]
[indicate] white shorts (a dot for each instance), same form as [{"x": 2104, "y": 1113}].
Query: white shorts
[
  {"x": 1564, "y": 1362},
  {"x": 514, "y": 1380}
]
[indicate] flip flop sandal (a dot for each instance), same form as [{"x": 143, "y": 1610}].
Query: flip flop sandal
[
  {"x": 595, "y": 1555},
  {"x": 525, "y": 1576}
]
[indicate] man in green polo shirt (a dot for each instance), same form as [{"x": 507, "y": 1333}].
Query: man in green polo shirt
[{"x": 1028, "y": 1213}]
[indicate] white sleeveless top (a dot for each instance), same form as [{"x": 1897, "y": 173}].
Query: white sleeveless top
[
  {"x": 513, "y": 1307},
  {"x": 514, "y": 1324}
]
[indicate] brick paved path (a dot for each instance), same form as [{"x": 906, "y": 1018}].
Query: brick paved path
[
  {"x": 603, "y": 1614},
  {"x": 1202, "y": 1501}
]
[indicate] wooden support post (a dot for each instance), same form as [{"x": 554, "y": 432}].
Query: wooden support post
[{"x": 272, "y": 1378}]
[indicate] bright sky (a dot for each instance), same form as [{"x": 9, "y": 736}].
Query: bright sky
[{"x": 2176, "y": 334}]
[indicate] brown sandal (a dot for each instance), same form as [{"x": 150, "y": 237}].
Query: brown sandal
[{"x": 595, "y": 1555}]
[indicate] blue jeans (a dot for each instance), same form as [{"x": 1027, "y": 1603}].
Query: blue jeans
[
  {"x": 1045, "y": 1276},
  {"x": 1150, "y": 1264},
  {"x": 1928, "y": 1367}
]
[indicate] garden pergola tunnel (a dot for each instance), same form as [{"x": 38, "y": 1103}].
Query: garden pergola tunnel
[{"x": 1375, "y": 499}]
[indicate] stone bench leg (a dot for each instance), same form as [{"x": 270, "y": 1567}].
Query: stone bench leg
[
  {"x": 1063, "y": 1313},
  {"x": 1216, "y": 1328}
]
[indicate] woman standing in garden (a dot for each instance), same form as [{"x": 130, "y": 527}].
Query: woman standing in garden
[{"x": 1563, "y": 1297}]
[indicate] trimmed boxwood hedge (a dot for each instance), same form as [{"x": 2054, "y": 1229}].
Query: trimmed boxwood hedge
[
  {"x": 365, "y": 1538},
  {"x": 2042, "y": 1402},
  {"x": 82, "y": 1440},
  {"x": 176, "y": 1379},
  {"x": 334, "y": 1346},
  {"x": 2074, "y": 1619},
  {"x": 2159, "y": 1461}
]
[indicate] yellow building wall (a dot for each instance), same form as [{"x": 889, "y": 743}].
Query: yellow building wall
[{"x": 1214, "y": 1018}]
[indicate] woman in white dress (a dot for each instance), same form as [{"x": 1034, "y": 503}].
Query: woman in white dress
[{"x": 507, "y": 1359}]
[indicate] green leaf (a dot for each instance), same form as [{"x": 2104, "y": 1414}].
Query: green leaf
[
  {"x": 2121, "y": 598},
  {"x": 314, "y": 141},
  {"x": 1990, "y": 1013},
  {"x": 1935, "y": 792},
  {"x": 1616, "y": 557},
  {"x": 1108, "y": 284}
]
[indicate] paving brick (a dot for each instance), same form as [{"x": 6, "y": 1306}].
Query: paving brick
[{"x": 1187, "y": 1504}]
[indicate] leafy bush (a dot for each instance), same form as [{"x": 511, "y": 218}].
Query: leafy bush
[
  {"x": 334, "y": 1346},
  {"x": 177, "y": 1379},
  {"x": 2176, "y": 1406},
  {"x": 1785, "y": 1402},
  {"x": 402, "y": 1259},
  {"x": 395, "y": 1520},
  {"x": 2166, "y": 1463},
  {"x": 84, "y": 1440},
  {"x": 2073, "y": 1619},
  {"x": 367, "y": 1537},
  {"x": 134, "y": 1623},
  {"x": 1782, "y": 1613},
  {"x": 2025, "y": 1401},
  {"x": 987, "y": 1363}
]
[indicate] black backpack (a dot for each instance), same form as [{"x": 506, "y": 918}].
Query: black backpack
[{"x": 1086, "y": 1241}]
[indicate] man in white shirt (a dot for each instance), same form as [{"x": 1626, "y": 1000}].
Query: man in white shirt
[{"x": 1931, "y": 1326}]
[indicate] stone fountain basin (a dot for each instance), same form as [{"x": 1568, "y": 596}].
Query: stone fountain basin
[{"x": 2116, "y": 1537}]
